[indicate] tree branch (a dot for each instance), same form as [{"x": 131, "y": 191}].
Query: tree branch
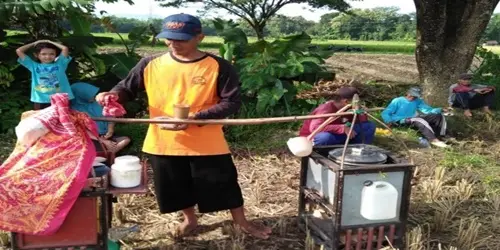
[{"x": 234, "y": 12}]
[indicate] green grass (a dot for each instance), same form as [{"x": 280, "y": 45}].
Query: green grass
[
  {"x": 494, "y": 49},
  {"x": 457, "y": 159}
]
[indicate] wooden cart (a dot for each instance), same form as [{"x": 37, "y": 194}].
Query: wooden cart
[{"x": 86, "y": 225}]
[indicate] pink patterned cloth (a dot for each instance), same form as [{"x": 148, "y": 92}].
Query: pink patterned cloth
[
  {"x": 112, "y": 108},
  {"x": 57, "y": 117},
  {"x": 40, "y": 184},
  {"x": 462, "y": 89}
]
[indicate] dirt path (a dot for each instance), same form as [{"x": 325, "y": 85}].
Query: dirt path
[
  {"x": 396, "y": 68},
  {"x": 375, "y": 67}
]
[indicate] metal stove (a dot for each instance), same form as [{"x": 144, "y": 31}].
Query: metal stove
[{"x": 364, "y": 205}]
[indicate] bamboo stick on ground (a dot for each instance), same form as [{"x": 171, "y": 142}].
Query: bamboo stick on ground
[{"x": 249, "y": 121}]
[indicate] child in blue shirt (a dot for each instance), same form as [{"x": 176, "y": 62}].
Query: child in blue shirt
[
  {"x": 48, "y": 71},
  {"x": 412, "y": 111}
]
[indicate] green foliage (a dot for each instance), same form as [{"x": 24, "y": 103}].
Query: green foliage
[
  {"x": 136, "y": 133},
  {"x": 10, "y": 8},
  {"x": 456, "y": 159},
  {"x": 137, "y": 36},
  {"x": 6, "y": 76},
  {"x": 492, "y": 31},
  {"x": 264, "y": 137},
  {"x": 12, "y": 105},
  {"x": 372, "y": 24},
  {"x": 270, "y": 72},
  {"x": 87, "y": 64},
  {"x": 489, "y": 71},
  {"x": 255, "y": 12}
]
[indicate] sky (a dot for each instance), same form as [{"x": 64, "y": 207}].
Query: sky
[{"x": 150, "y": 8}]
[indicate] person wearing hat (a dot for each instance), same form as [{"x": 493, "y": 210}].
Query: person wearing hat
[
  {"x": 467, "y": 96},
  {"x": 192, "y": 164},
  {"x": 337, "y": 131},
  {"x": 412, "y": 111}
]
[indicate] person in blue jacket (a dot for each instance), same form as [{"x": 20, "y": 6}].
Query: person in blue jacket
[
  {"x": 84, "y": 101},
  {"x": 412, "y": 111}
]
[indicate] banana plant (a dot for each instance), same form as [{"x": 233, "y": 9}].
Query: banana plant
[
  {"x": 235, "y": 41},
  {"x": 10, "y": 8},
  {"x": 270, "y": 72}
]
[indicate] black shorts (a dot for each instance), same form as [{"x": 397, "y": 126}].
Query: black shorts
[{"x": 211, "y": 182}]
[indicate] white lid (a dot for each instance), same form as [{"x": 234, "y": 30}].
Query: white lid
[
  {"x": 127, "y": 160},
  {"x": 126, "y": 167}
]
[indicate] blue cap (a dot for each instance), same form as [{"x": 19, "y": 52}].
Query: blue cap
[
  {"x": 180, "y": 27},
  {"x": 415, "y": 91}
]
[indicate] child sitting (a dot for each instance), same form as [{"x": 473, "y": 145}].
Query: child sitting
[
  {"x": 403, "y": 111},
  {"x": 85, "y": 102},
  {"x": 48, "y": 72}
]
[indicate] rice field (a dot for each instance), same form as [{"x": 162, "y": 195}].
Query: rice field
[
  {"x": 386, "y": 47},
  {"x": 366, "y": 46}
]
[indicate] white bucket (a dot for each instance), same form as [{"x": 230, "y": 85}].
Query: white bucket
[
  {"x": 300, "y": 146},
  {"x": 126, "y": 172}
]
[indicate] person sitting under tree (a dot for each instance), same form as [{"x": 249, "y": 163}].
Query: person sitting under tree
[
  {"x": 404, "y": 111},
  {"x": 337, "y": 131},
  {"x": 467, "y": 96}
]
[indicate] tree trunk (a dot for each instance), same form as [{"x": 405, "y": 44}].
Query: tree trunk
[
  {"x": 447, "y": 35},
  {"x": 259, "y": 31}
]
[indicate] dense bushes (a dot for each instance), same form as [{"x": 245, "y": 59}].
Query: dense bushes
[
  {"x": 103, "y": 70},
  {"x": 488, "y": 71}
]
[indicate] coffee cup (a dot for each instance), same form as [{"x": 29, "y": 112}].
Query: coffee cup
[{"x": 181, "y": 111}]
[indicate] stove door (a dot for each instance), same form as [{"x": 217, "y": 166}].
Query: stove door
[{"x": 321, "y": 179}]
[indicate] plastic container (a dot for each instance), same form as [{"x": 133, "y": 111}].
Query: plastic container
[
  {"x": 300, "y": 146},
  {"x": 126, "y": 172},
  {"x": 379, "y": 201}
]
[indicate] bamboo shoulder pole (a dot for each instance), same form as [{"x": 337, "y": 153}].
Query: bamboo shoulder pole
[
  {"x": 250, "y": 121},
  {"x": 327, "y": 121}
]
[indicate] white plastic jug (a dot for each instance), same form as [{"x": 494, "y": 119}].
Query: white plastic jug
[
  {"x": 379, "y": 201},
  {"x": 300, "y": 146}
]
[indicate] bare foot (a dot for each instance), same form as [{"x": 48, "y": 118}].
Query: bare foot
[
  {"x": 467, "y": 113},
  {"x": 261, "y": 232},
  {"x": 487, "y": 110},
  {"x": 185, "y": 228}
]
